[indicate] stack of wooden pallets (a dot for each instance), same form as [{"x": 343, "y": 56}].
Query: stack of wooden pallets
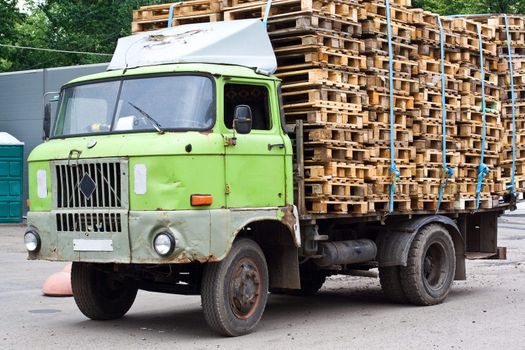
[
  {"x": 517, "y": 41},
  {"x": 470, "y": 122},
  {"x": 333, "y": 59},
  {"x": 427, "y": 125},
  {"x": 319, "y": 59},
  {"x": 375, "y": 38}
]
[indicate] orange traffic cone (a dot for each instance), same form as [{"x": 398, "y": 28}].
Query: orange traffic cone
[{"x": 59, "y": 283}]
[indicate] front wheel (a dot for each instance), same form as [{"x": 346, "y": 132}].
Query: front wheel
[
  {"x": 100, "y": 294},
  {"x": 234, "y": 291},
  {"x": 431, "y": 265}
]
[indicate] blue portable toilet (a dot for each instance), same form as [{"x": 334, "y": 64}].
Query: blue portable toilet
[{"x": 11, "y": 165}]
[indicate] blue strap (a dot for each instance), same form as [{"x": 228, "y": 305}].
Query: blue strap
[
  {"x": 512, "y": 186},
  {"x": 483, "y": 169},
  {"x": 267, "y": 11},
  {"x": 170, "y": 15},
  {"x": 394, "y": 172},
  {"x": 446, "y": 170}
]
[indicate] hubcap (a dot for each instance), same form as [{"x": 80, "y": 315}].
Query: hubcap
[
  {"x": 245, "y": 288},
  {"x": 434, "y": 267}
]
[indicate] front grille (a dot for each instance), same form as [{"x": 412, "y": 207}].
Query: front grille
[
  {"x": 107, "y": 178},
  {"x": 89, "y": 222}
]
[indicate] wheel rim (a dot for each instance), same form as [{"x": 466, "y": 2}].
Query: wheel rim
[
  {"x": 245, "y": 288},
  {"x": 434, "y": 266}
]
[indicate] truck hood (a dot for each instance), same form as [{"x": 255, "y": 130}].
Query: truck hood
[{"x": 130, "y": 145}]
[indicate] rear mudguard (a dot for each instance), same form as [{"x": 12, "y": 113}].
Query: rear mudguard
[{"x": 394, "y": 243}]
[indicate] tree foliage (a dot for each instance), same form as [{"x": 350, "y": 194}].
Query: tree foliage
[
  {"x": 95, "y": 25},
  {"x": 9, "y": 18},
  {"x": 75, "y": 25},
  {"x": 452, "y": 7}
]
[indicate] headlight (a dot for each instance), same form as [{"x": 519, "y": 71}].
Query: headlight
[
  {"x": 164, "y": 243},
  {"x": 32, "y": 241}
]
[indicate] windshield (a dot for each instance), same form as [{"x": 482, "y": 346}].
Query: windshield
[{"x": 177, "y": 102}]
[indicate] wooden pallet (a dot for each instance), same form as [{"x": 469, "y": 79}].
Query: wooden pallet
[
  {"x": 397, "y": 14},
  {"x": 379, "y": 133},
  {"x": 335, "y": 189},
  {"x": 402, "y": 86},
  {"x": 350, "y": 101},
  {"x": 344, "y": 8},
  {"x": 340, "y": 170},
  {"x": 380, "y": 100},
  {"x": 382, "y": 205},
  {"x": 181, "y": 9},
  {"x": 332, "y": 41},
  {"x": 336, "y": 207},
  {"x": 379, "y": 46},
  {"x": 379, "y": 27},
  {"x": 320, "y": 152},
  {"x": 304, "y": 57},
  {"x": 469, "y": 27},
  {"x": 148, "y": 25},
  {"x": 335, "y": 135},
  {"x": 430, "y": 203},
  {"x": 307, "y": 78},
  {"x": 432, "y": 35},
  {"x": 311, "y": 22},
  {"x": 327, "y": 116},
  {"x": 378, "y": 63},
  {"x": 382, "y": 170}
]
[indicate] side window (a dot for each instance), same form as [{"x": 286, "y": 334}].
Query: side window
[{"x": 255, "y": 96}]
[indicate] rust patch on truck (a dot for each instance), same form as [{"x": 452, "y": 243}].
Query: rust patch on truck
[{"x": 287, "y": 217}]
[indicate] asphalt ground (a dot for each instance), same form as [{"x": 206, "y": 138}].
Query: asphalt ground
[{"x": 485, "y": 312}]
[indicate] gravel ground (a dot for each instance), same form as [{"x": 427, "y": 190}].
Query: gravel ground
[{"x": 485, "y": 312}]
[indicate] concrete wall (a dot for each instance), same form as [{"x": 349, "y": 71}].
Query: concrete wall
[{"x": 21, "y": 102}]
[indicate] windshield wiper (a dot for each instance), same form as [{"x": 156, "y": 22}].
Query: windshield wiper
[{"x": 152, "y": 121}]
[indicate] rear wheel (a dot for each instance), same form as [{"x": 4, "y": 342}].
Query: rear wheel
[
  {"x": 431, "y": 265},
  {"x": 234, "y": 291},
  {"x": 101, "y": 295}
]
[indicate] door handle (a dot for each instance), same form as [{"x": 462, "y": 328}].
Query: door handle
[{"x": 278, "y": 145}]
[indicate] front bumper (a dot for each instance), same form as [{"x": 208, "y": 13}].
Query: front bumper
[{"x": 134, "y": 242}]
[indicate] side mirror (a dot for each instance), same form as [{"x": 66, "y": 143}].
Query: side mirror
[
  {"x": 47, "y": 120},
  {"x": 47, "y": 112},
  {"x": 242, "y": 119}
]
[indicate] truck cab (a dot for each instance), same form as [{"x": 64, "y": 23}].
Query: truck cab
[{"x": 149, "y": 173}]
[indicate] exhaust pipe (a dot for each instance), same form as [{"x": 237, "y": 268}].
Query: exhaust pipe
[{"x": 346, "y": 252}]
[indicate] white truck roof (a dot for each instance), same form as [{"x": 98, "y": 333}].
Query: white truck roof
[{"x": 243, "y": 42}]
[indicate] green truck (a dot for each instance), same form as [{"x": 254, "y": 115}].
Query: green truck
[{"x": 183, "y": 178}]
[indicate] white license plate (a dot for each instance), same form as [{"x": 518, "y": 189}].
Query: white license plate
[{"x": 93, "y": 245}]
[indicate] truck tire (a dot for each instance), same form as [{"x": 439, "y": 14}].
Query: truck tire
[
  {"x": 100, "y": 295},
  {"x": 234, "y": 291},
  {"x": 431, "y": 265},
  {"x": 390, "y": 279}
]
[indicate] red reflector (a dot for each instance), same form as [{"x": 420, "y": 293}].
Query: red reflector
[{"x": 201, "y": 199}]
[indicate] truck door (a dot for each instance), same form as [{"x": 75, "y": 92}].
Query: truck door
[{"x": 255, "y": 165}]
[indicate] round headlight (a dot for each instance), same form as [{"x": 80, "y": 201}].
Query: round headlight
[
  {"x": 32, "y": 241},
  {"x": 164, "y": 243}
]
